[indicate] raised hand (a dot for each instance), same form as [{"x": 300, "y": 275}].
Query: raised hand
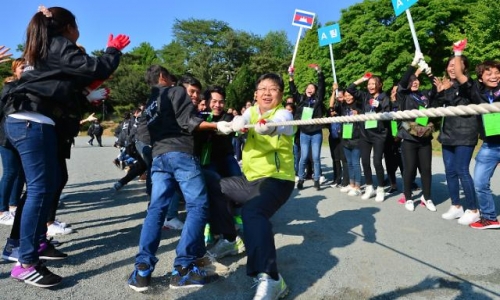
[
  {"x": 119, "y": 42},
  {"x": 4, "y": 56},
  {"x": 458, "y": 47}
]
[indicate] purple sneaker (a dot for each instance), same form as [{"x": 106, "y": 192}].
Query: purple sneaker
[{"x": 37, "y": 275}]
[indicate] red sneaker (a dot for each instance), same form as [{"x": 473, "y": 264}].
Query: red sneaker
[{"x": 485, "y": 224}]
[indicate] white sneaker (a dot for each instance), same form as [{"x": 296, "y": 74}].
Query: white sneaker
[
  {"x": 409, "y": 205},
  {"x": 380, "y": 197},
  {"x": 322, "y": 179},
  {"x": 428, "y": 203},
  {"x": 224, "y": 248},
  {"x": 354, "y": 192},
  {"x": 54, "y": 229},
  {"x": 345, "y": 189},
  {"x": 7, "y": 218},
  {"x": 369, "y": 192},
  {"x": 174, "y": 223},
  {"x": 62, "y": 224},
  {"x": 270, "y": 289},
  {"x": 453, "y": 213},
  {"x": 469, "y": 217}
]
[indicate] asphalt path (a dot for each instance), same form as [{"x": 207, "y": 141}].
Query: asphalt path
[{"x": 330, "y": 245}]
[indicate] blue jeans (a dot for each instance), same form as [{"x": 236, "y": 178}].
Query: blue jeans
[
  {"x": 12, "y": 182},
  {"x": 456, "y": 165},
  {"x": 296, "y": 158},
  {"x": 236, "y": 142},
  {"x": 313, "y": 142},
  {"x": 353, "y": 157},
  {"x": 168, "y": 170},
  {"x": 37, "y": 146},
  {"x": 486, "y": 163}
]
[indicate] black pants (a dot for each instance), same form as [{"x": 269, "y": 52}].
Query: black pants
[
  {"x": 417, "y": 155},
  {"x": 137, "y": 169},
  {"x": 259, "y": 200},
  {"x": 393, "y": 160},
  {"x": 365, "y": 148},
  {"x": 340, "y": 169}
]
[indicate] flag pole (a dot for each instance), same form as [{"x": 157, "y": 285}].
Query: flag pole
[{"x": 296, "y": 46}]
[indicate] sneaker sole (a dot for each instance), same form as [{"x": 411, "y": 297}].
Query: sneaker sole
[
  {"x": 10, "y": 258},
  {"x": 51, "y": 257},
  {"x": 138, "y": 289},
  {"x": 36, "y": 284},
  {"x": 224, "y": 254},
  {"x": 487, "y": 227},
  {"x": 188, "y": 286}
]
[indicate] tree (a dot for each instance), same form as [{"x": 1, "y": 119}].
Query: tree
[
  {"x": 241, "y": 89},
  {"x": 173, "y": 57}
]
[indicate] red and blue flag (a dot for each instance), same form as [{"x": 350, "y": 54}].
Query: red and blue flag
[{"x": 303, "y": 18}]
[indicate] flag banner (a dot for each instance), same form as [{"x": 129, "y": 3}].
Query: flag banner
[
  {"x": 401, "y": 5},
  {"x": 303, "y": 18},
  {"x": 329, "y": 35}
]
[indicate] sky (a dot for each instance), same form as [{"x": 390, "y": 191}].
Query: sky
[{"x": 151, "y": 20}]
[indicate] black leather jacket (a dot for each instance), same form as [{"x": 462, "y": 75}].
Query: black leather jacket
[
  {"x": 54, "y": 87},
  {"x": 459, "y": 130}
]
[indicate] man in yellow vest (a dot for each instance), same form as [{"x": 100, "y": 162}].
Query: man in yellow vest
[{"x": 266, "y": 185}]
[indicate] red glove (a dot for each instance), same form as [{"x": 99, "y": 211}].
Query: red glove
[
  {"x": 314, "y": 66},
  {"x": 459, "y": 46},
  {"x": 367, "y": 76},
  {"x": 291, "y": 71},
  {"x": 119, "y": 42}
]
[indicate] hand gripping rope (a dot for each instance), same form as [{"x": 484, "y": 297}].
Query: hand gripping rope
[{"x": 449, "y": 111}]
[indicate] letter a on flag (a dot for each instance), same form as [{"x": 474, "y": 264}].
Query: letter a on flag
[
  {"x": 329, "y": 35},
  {"x": 401, "y": 5},
  {"x": 303, "y": 18}
]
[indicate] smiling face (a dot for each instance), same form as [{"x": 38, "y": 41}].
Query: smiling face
[
  {"x": 491, "y": 77},
  {"x": 349, "y": 99},
  {"x": 450, "y": 69},
  {"x": 216, "y": 103},
  {"x": 310, "y": 90},
  {"x": 415, "y": 85},
  {"x": 193, "y": 93},
  {"x": 374, "y": 85},
  {"x": 268, "y": 95}
]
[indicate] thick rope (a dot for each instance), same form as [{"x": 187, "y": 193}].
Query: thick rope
[{"x": 449, "y": 111}]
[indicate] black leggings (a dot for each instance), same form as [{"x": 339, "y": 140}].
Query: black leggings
[
  {"x": 417, "y": 155},
  {"x": 340, "y": 169},
  {"x": 393, "y": 160},
  {"x": 365, "y": 148}
]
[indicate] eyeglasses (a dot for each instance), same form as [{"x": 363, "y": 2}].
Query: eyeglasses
[{"x": 272, "y": 90}]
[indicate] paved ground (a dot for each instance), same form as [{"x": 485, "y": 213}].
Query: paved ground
[{"x": 330, "y": 246}]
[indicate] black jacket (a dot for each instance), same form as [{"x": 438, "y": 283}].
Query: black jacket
[
  {"x": 409, "y": 100},
  {"x": 363, "y": 97},
  {"x": 171, "y": 120},
  {"x": 315, "y": 102},
  {"x": 347, "y": 110},
  {"x": 479, "y": 94},
  {"x": 460, "y": 130},
  {"x": 220, "y": 145},
  {"x": 54, "y": 88}
]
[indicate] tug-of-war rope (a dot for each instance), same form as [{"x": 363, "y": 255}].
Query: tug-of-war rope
[{"x": 449, "y": 111}]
